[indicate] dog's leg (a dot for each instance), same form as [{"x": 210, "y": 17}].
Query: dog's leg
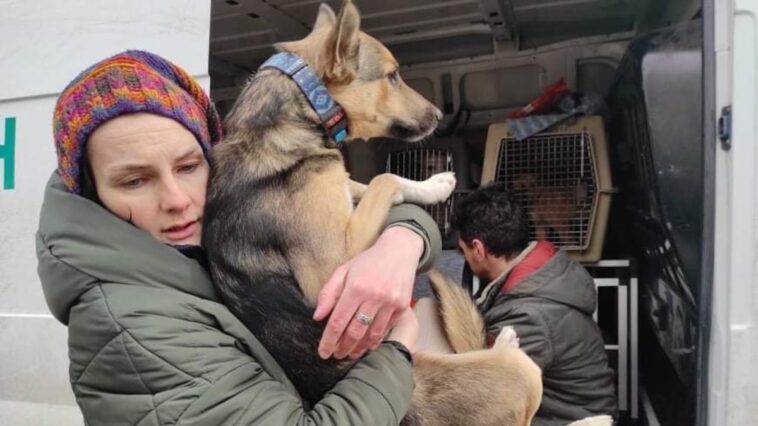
[
  {"x": 371, "y": 212},
  {"x": 356, "y": 189},
  {"x": 562, "y": 228},
  {"x": 540, "y": 230},
  {"x": 431, "y": 191},
  {"x": 381, "y": 193},
  {"x": 508, "y": 337}
]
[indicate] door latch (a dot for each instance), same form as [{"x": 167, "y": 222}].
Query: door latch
[{"x": 725, "y": 128}]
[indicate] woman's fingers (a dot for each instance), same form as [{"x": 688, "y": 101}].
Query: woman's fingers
[
  {"x": 342, "y": 317},
  {"x": 375, "y": 335},
  {"x": 330, "y": 293},
  {"x": 357, "y": 329}
]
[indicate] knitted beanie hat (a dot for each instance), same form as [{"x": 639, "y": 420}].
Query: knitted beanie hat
[{"x": 129, "y": 82}]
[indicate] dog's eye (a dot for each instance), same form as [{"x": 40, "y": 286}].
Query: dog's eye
[{"x": 393, "y": 77}]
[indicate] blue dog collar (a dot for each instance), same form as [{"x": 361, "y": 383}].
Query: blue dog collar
[{"x": 332, "y": 115}]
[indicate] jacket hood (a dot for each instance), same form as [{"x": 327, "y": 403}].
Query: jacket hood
[
  {"x": 560, "y": 280},
  {"x": 81, "y": 245}
]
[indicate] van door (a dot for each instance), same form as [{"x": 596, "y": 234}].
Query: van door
[{"x": 732, "y": 373}]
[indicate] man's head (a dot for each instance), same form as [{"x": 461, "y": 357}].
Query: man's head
[{"x": 493, "y": 228}]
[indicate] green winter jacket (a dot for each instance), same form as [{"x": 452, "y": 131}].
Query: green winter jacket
[{"x": 151, "y": 344}]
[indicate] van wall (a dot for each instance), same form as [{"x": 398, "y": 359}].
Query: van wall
[
  {"x": 45, "y": 44},
  {"x": 488, "y": 88},
  {"x": 657, "y": 14}
]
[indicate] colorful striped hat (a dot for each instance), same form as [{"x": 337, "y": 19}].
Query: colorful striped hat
[{"x": 129, "y": 82}]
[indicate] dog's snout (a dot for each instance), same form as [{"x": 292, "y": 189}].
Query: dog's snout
[
  {"x": 433, "y": 116},
  {"x": 437, "y": 113}
]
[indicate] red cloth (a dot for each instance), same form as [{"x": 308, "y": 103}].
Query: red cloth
[
  {"x": 544, "y": 101},
  {"x": 543, "y": 252}
]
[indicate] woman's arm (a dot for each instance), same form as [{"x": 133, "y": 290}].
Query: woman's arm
[
  {"x": 418, "y": 220},
  {"x": 140, "y": 353},
  {"x": 376, "y": 391}
]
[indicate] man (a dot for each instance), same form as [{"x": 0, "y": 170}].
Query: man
[{"x": 548, "y": 298}]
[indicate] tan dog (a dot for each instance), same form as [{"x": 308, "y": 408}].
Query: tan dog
[
  {"x": 552, "y": 209},
  {"x": 280, "y": 218}
]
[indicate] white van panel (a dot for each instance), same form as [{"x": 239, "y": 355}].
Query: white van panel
[
  {"x": 743, "y": 383},
  {"x": 45, "y": 43},
  {"x": 733, "y": 382}
]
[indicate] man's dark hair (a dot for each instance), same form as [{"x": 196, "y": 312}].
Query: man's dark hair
[{"x": 494, "y": 216}]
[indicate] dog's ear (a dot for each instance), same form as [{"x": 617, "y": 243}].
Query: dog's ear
[
  {"x": 325, "y": 21},
  {"x": 325, "y": 18},
  {"x": 343, "y": 43},
  {"x": 332, "y": 45}
]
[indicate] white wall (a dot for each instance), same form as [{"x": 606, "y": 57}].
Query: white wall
[{"x": 43, "y": 45}]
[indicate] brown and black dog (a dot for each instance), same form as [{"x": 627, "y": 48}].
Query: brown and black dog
[
  {"x": 552, "y": 209},
  {"x": 280, "y": 217}
]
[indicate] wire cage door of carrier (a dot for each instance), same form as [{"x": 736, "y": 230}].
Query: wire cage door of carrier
[
  {"x": 420, "y": 164},
  {"x": 562, "y": 177}
]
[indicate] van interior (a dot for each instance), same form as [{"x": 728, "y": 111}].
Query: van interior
[{"x": 619, "y": 165}]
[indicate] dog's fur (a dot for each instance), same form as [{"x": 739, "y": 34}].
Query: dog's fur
[
  {"x": 280, "y": 218},
  {"x": 552, "y": 209}
]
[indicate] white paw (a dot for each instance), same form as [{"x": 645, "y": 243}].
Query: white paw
[
  {"x": 431, "y": 191},
  {"x": 508, "y": 336},
  {"x": 603, "y": 420}
]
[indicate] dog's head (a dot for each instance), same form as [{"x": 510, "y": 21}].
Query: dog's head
[
  {"x": 362, "y": 76},
  {"x": 525, "y": 182}
]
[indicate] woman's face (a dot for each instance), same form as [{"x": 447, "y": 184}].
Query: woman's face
[{"x": 151, "y": 171}]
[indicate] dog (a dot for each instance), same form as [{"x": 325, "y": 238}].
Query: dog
[
  {"x": 552, "y": 210},
  {"x": 280, "y": 217}
]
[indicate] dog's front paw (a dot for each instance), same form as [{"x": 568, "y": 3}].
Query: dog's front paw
[
  {"x": 603, "y": 420},
  {"x": 508, "y": 337},
  {"x": 442, "y": 185},
  {"x": 431, "y": 191}
]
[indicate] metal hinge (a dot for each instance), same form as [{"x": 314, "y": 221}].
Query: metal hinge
[{"x": 725, "y": 128}]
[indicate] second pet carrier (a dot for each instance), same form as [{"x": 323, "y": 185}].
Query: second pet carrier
[{"x": 563, "y": 178}]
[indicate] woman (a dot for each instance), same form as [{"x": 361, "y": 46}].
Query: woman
[{"x": 120, "y": 265}]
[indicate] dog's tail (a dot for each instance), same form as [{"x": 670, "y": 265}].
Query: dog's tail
[{"x": 461, "y": 320}]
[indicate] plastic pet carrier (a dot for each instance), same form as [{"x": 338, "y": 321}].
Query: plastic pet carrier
[{"x": 563, "y": 178}]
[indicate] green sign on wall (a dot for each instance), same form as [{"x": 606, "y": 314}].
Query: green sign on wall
[{"x": 8, "y": 153}]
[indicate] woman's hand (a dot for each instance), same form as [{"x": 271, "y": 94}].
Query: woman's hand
[{"x": 376, "y": 286}]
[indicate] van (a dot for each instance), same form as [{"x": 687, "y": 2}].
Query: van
[{"x": 665, "y": 141}]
